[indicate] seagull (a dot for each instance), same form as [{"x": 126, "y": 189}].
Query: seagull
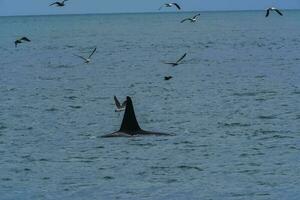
[
  {"x": 120, "y": 107},
  {"x": 177, "y": 62},
  {"x": 59, "y": 4},
  {"x": 273, "y": 9},
  {"x": 193, "y": 19},
  {"x": 168, "y": 78},
  {"x": 170, "y": 5},
  {"x": 21, "y": 40},
  {"x": 87, "y": 60}
]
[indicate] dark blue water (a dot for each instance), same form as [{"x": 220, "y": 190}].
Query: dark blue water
[{"x": 233, "y": 105}]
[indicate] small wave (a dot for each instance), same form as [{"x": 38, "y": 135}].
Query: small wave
[
  {"x": 249, "y": 171},
  {"x": 282, "y": 136},
  {"x": 267, "y": 117},
  {"x": 260, "y": 76},
  {"x": 27, "y": 169},
  {"x": 5, "y": 89},
  {"x": 2, "y": 127},
  {"x": 296, "y": 92},
  {"x": 183, "y": 142},
  {"x": 69, "y": 89},
  {"x": 277, "y": 137},
  {"x": 261, "y": 99},
  {"x": 23, "y": 128},
  {"x": 159, "y": 167},
  {"x": 235, "y": 124},
  {"x": 43, "y": 160},
  {"x": 144, "y": 144},
  {"x": 108, "y": 178},
  {"x": 172, "y": 180},
  {"x": 63, "y": 66},
  {"x": 82, "y": 160},
  {"x": 49, "y": 78},
  {"x": 75, "y": 107},
  {"x": 51, "y": 109},
  {"x": 245, "y": 94},
  {"x": 244, "y": 155},
  {"x": 71, "y": 97},
  {"x": 264, "y": 132},
  {"x": 250, "y": 195},
  {"x": 185, "y": 167},
  {"x": 70, "y": 46},
  {"x": 250, "y": 94},
  {"x": 6, "y": 179},
  {"x": 267, "y": 92}
]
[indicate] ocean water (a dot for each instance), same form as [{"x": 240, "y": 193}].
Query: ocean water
[{"x": 233, "y": 107}]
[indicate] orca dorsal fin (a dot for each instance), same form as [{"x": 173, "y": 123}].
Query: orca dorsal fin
[{"x": 129, "y": 123}]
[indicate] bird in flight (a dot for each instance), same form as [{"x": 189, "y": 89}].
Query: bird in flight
[
  {"x": 59, "y": 4},
  {"x": 170, "y": 5},
  {"x": 120, "y": 107},
  {"x": 168, "y": 78},
  {"x": 88, "y": 59},
  {"x": 21, "y": 40},
  {"x": 178, "y": 61},
  {"x": 193, "y": 19},
  {"x": 273, "y": 9}
]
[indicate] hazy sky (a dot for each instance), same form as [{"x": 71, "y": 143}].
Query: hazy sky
[{"x": 36, "y": 7}]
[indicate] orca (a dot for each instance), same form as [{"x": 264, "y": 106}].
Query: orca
[{"x": 130, "y": 127}]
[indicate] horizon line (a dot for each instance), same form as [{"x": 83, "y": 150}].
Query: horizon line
[{"x": 154, "y": 12}]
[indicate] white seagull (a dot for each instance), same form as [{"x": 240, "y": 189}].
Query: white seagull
[
  {"x": 193, "y": 19},
  {"x": 273, "y": 9},
  {"x": 59, "y": 4},
  {"x": 21, "y": 40},
  {"x": 120, "y": 107},
  {"x": 88, "y": 59},
  {"x": 170, "y": 5},
  {"x": 177, "y": 62}
]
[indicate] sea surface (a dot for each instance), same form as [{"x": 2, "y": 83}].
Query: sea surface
[{"x": 233, "y": 107}]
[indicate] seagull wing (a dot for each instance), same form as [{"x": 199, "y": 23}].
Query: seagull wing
[
  {"x": 124, "y": 104},
  {"x": 180, "y": 59},
  {"x": 161, "y": 6},
  {"x": 170, "y": 63},
  {"x": 196, "y": 16},
  {"x": 117, "y": 102},
  {"x": 175, "y": 4},
  {"x": 93, "y": 52},
  {"x": 278, "y": 12},
  {"x": 54, "y": 3},
  {"x": 83, "y": 58},
  {"x": 25, "y": 39},
  {"x": 268, "y": 12},
  {"x": 185, "y": 20}
]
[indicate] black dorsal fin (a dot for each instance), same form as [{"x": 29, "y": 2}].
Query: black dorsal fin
[{"x": 129, "y": 123}]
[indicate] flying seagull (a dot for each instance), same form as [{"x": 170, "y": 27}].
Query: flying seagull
[
  {"x": 59, "y": 4},
  {"x": 88, "y": 59},
  {"x": 168, "y": 78},
  {"x": 170, "y": 5},
  {"x": 119, "y": 106},
  {"x": 21, "y": 40},
  {"x": 193, "y": 19},
  {"x": 177, "y": 62},
  {"x": 273, "y": 9}
]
